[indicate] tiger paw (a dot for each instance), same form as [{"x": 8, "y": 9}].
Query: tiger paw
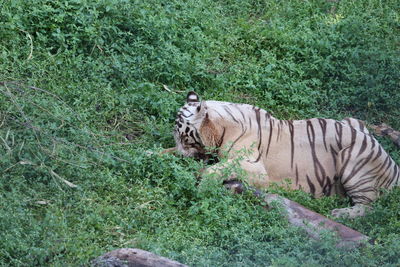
[{"x": 357, "y": 210}]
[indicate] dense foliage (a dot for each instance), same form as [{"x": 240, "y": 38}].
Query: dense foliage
[{"x": 88, "y": 88}]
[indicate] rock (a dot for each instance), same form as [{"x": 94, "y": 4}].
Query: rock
[{"x": 133, "y": 257}]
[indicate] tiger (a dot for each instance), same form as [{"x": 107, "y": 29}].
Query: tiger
[{"x": 320, "y": 156}]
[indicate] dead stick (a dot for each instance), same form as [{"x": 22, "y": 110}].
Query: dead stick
[{"x": 171, "y": 150}]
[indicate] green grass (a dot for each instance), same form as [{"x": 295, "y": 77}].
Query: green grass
[{"x": 84, "y": 101}]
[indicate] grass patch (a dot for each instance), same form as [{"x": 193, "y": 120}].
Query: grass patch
[{"x": 82, "y": 101}]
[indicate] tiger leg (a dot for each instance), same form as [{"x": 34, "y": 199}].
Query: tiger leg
[
  {"x": 357, "y": 210},
  {"x": 358, "y": 181},
  {"x": 254, "y": 172}
]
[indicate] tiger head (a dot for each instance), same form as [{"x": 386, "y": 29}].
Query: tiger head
[{"x": 187, "y": 127}]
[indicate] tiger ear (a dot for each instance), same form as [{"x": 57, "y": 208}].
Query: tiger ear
[{"x": 192, "y": 97}]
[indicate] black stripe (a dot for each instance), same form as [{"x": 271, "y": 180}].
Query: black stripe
[
  {"x": 241, "y": 112},
  {"x": 291, "y": 130},
  {"x": 350, "y": 149},
  {"x": 372, "y": 139},
  {"x": 219, "y": 114},
  {"x": 221, "y": 140},
  {"x": 334, "y": 155},
  {"x": 327, "y": 189},
  {"x": 191, "y": 114},
  {"x": 361, "y": 125},
  {"x": 310, "y": 185},
  {"x": 378, "y": 154},
  {"x": 227, "y": 109},
  {"x": 363, "y": 146},
  {"x": 322, "y": 123},
  {"x": 339, "y": 132},
  {"x": 319, "y": 171},
  {"x": 257, "y": 111},
  {"x": 270, "y": 136},
  {"x": 237, "y": 139},
  {"x": 197, "y": 134}
]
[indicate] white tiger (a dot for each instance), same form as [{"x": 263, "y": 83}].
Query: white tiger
[{"x": 320, "y": 156}]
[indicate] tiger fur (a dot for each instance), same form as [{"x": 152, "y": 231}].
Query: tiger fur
[{"x": 320, "y": 156}]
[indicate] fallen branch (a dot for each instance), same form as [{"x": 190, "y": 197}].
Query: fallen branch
[
  {"x": 131, "y": 257},
  {"x": 385, "y": 130},
  {"x": 313, "y": 223}
]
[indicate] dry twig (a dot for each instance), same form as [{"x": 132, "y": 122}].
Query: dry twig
[
  {"x": 31, "y": 44},
  {"x": 170, "y": 91}
]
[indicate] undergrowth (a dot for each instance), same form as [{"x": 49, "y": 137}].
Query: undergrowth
[{"x": 88, "y": 95}]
